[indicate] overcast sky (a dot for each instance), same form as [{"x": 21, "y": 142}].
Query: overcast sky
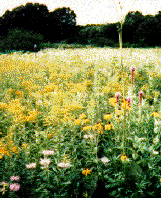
[{"x": 91, "y": 11}]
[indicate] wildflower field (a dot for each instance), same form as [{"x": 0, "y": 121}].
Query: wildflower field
[{"x": 76, "y": 122}]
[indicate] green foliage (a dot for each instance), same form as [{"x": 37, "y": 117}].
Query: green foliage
[{"x": 21, "y": 40}]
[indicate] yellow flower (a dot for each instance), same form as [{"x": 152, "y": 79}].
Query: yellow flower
[
  {"x": 124, "y": 158},
  {"x": 107, "y": 116},
  {"x": 98, "y": 127},
  {"x": 109, "y": 127},
  {"x": 112, "y": 101},
  {"x": 50, "y": 135},
  {"x": 32, "y": 116},
  {"x": 24, "y": 145},
  {"x": 86, "y": 194},
  {"x": 86, "y": 128},
  {"x": 19, "y": 93},
  {"x": 1, "y": 156},
  {"x": 86, "y": 121},
  {"x": 14, "y": 149},
  {"x": 82, "y": 116},
  {"x": 155, "y": 114},
  {"x": 3, "y": 105},
  {"x": 86, "y": 171},
  {"x": 118, "y": 112},
  {"x": 77, "y": 122},
  {"x": 125, "y": 105}
]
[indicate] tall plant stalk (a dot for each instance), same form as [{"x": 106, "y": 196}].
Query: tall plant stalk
[{"x": 123, "y": 79}]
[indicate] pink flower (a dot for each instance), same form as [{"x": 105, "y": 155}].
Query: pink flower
[
  {"x": 14, "y": 187},
  {"x": 14, "y": 178},
  {"x": 117, "y": 95},
  {"x": 141, "y": 96},
  {"x": 132, "y": 75},
  {"x": 132, "y": 68},
  {"x": 31, "y": 165},
  {"x": 128, "y": 100},
  {"x": 47, "y": 152}
]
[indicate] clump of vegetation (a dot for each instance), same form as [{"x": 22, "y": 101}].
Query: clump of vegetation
[{"x": 21, "y": 40}]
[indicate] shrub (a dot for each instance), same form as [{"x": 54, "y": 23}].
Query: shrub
[{"x": 21, "y": 40}]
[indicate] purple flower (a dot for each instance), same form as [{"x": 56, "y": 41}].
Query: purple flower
[{"x": 14, "y": 187}]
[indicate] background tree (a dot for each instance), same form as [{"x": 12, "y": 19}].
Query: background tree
[
  {"x": 62, "y": 23},
  {"x": 131, "y": 24}
]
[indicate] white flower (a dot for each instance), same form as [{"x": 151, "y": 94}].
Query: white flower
[
  {"x": 156, "y": 129},
  {"x": 88, "y": 136},
  {"x": 64, "y": 165},
  {"x": 47, "y": 152},
  {"x": 31, "y": 165},
  {"x": 105, "y": 160},
  {"x": 156, "y": 140},
  {"x": 45, "y": 162},
  {"x": 134, "y": 156},
  {"x": 155, "y": 152}
]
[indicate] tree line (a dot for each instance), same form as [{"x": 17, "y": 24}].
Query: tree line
[{"x": 31, "y": 24}]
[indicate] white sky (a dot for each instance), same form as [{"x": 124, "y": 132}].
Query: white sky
[{"x": 91, "y": 11}]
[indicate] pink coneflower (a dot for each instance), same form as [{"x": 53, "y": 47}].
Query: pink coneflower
[
  {"x": 132, "y": 75},
  {"x": 31, "y": 165},
  {"x": 14, "y": 187},
  {"x": 129, "y": 100},
  {"x": 47, "y": 152},
  {"x": 140, "y": 96},
  {"x": 14, "y": 178},
  {"x": 117, "y": 95}
]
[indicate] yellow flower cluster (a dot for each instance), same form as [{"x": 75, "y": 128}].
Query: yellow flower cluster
[{"x": 98, "y": 127}]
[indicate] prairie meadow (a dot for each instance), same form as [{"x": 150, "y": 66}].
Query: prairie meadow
[{"x": 75, "y": 122}]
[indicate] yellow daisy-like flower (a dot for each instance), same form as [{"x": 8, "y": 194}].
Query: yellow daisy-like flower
[
  {"x": 82, "y": 116},
  {"x": 3, "y": 105},
  {"x": 125, "y": 105},
  {"x": 112, "y": 101},
  {"x": 155, "y": 114},
  {"x": 77, "y": 122},
  {"x": 107, "y": 116},
  {"x": 86, "y": 121},
  {"x": 118, "y": 112},
  {"x": 49, "y": 135},
  {"x": 124, "y": 158},
  {"x": 109, "y": 127},
  {"x": 86, "y": 171},
  {"x": 86, "y": 128},
  {"x": 15, "y": 149}
]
